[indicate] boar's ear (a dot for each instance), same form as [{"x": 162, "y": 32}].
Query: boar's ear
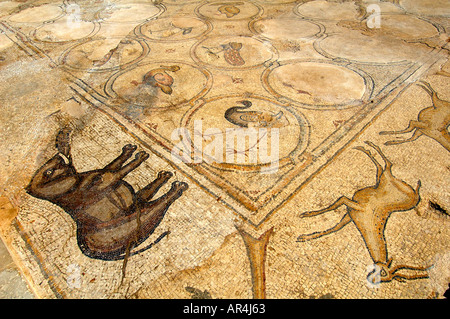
[{"x": 63, "y": 141}]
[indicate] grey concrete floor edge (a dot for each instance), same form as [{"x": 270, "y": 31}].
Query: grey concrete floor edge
[{"x": 12, "y": 283}]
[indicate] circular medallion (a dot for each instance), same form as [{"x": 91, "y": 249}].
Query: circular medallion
[
  {"x": 286, "y": 29},
  {"x": 176, "y": 28},
  {"x": 245, "y": 133},
  {"x": 404, "y": 26},
  {"x": 427, "y": 7},
  {"x": 233, "y": 52},
  {"x": 65, "y": 30},
  {"x": 318, "y": 84},
  {"x": 129, "y": 12},
  {"x": 159, "y": 85},
  {"x": 39, "y": 14},
  {"x": 324, "y": 10},
  {"x": 357, "y": 47},
  {"x": 229, "y": 10},
  {"x": 100, "y": 55}
]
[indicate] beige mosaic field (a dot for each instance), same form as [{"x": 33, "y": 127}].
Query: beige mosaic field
[{"x": 226, "y": 148}]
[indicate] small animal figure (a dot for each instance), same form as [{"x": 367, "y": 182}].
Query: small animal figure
[
  {"x": 369, "y": 210},
  {"x": 231, "y": 53},
  {"x": 110, "y": 217},
  {"x": 237, "y": 116},
  {"x": 432, "y": 121},
  {"x": 105, "y": 58},
  {"x": 159, "y": 78},
  {"x": 170, "y": 31},
  {"x": 230, "y": 9},
  {"x": 113, "y": 54},
  {"x": 297, "y": 90}
]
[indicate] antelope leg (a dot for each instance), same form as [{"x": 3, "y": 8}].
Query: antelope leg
[
  {"x": 339, "y": 202},
  {"x": 414, "y": 137},
  {"x": 411, "y": 127},
  {"x": 344, "y": 221}
]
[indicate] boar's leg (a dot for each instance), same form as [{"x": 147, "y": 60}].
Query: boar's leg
[
  {"x": 116, "y": 164},
  {"x": 151, "y": 189}
]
